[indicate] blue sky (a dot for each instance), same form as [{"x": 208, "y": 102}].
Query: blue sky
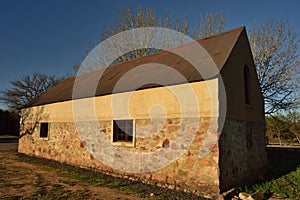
[{"x": 49, "y": 36}]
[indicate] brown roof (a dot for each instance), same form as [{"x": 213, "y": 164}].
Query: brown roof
[{"x": 218, "y": 47}]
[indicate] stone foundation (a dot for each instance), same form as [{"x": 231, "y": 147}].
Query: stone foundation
[
  {"x": 196, "y": 169},
  {"x": 205, "y": 164},
  {"x": 243, "y": 155}
]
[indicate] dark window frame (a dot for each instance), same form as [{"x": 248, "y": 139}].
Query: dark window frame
[
  {"x": 123, "y": 131},
  {"x": 44, "y": 130}
]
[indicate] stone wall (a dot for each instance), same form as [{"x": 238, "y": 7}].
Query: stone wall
[
  {"x": 196, "y": 168},
  {"x": 243, "y": 155}
]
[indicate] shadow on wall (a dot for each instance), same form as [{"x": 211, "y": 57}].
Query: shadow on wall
[
  {"x": 30, "y": 120},
  {"x": 9, "y": 123}
]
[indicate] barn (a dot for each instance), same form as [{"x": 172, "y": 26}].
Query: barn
[{"x": 165, "y": 123}]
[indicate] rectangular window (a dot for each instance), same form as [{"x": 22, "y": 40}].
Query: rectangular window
[
  {"x": 123, "y": 131},
  {"x": 44, "y": 130}
]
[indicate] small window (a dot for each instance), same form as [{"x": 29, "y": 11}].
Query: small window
[
  {"x": 44, "y": 130},
  {"x": 122, "y": 130},
  {"x": 247, "y": 84}
]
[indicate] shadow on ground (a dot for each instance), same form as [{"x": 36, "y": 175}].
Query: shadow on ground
[{"x": 282, "y": 161}]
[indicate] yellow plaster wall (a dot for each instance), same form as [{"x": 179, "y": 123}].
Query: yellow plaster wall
[{"x": 141, "y": 104}]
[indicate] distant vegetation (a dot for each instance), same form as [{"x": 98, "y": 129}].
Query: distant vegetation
[
  {"x": 9, "y": 123},
  {"x": 283, "y": 129}
]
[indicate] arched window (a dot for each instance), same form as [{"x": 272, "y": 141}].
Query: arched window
[{"x": 246, "y": 84}]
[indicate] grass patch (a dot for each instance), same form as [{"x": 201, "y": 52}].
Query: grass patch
[
  {"x": 101, "y": 182},
  {"x": 2, "y": 168},
  {"x": 68, "y": 182},
  {"x": 115, "y": 184},
  {"x": 18, "y": 186},
  {"x": 286, "y": 186},
  {"x": 283, "y": 177},
  {"x": 57, "y": 187},
  {"x": 57, "y": 193},
  {"x": 7, "y": 185},
  {"x": 93, "y": 178},
  {"x": 14, "y": 169},
  {"x": 72, "y": 172},
  {"x": 12, "y": 198},
  {"x": 38, "y": 180}
]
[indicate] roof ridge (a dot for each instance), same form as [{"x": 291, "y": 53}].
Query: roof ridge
[
  {"x": 241, "y": 28},
  {"x": 173, "y": 48},
  {"x": 219, "y": 49}
]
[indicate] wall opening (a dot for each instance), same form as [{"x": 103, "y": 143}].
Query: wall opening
[
  {"x": 123, "y": 131},
  {"x": 44, "y": 127}
]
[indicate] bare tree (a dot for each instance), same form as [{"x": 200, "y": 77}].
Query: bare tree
[
  {"x": 26, "y": 89},
  {"x": 274, "y": 47},
  {"x": 131, "y": 20},
  {"x": 210, "y": 24}
]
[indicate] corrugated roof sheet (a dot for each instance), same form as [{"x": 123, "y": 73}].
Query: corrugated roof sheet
[{"x": 218, "y": 47}]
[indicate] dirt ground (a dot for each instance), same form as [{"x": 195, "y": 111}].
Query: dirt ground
[
  {"x": 34, "y": 178},
  {"x": 22, "y": 179},
  {"x": 25, "y": 180}
]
